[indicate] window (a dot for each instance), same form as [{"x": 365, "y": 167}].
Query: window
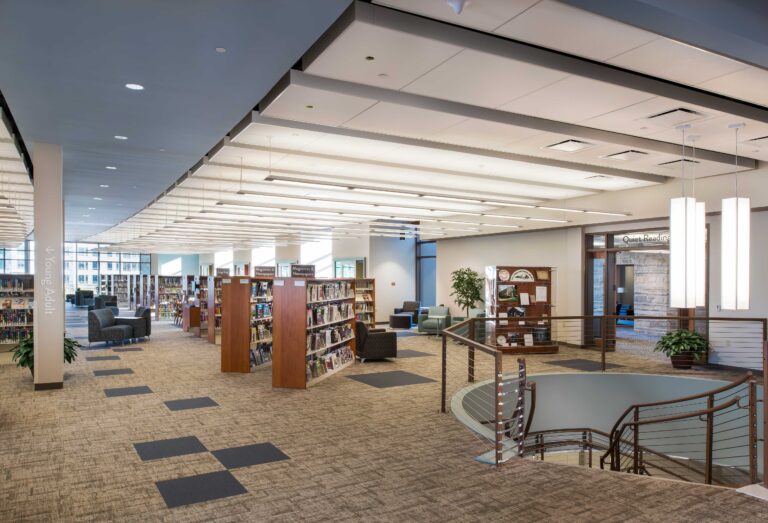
[{"x": 426, "y": 273}]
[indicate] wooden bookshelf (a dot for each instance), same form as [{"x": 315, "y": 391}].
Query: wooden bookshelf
[
  {"x": 168, "y": 296},
  {"x": 201, "y": 298},
  {"x": 214, "y": 312},
  {"x": 313, "y": 330},
  {"x": 246, "y": 326},
  {"x": 17, "y": 302},
  {"x": 517, "y": 293},
  {"x": 365, "y": 301}
]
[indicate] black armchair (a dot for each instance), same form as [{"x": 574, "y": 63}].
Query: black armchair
[
  {"x": 412, "y": 308},
  {"x": 374, "y": 344},
  {"x": 141, "y": 322}
]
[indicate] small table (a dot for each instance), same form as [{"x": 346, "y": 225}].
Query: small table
[
  {"x": 400, "y": 321},
  {"x": 440, "y": 320}
]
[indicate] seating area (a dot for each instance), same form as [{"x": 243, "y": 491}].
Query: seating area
[
  {"x": 374, "y": 344},
  {"x": 435, "y": 320},
  {"x": 105, "y": 326}
]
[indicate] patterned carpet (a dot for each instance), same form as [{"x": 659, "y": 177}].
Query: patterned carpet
[{"x": 355, "y": 452}]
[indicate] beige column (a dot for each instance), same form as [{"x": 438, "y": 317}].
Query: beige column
[{"x": 49, "y": 267}]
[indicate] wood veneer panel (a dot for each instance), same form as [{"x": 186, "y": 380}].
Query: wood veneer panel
[
  {"x": 289, "y": 333},
  {"x": 235, "y": 325}
]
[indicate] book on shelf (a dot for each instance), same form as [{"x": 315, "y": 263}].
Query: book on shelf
[
  {"x": 340, "y": 290},
  {"x": 328, "y": 362}
]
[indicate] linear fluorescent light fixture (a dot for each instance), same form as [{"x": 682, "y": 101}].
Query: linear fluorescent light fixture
[{"x": 570, "y": 146}]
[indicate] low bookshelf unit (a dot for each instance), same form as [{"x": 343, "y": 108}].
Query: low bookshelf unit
[
  {"x": 213, "y": 310},
  {"x": 313, "y": 330},
  {"x": 246, "y": 326}
]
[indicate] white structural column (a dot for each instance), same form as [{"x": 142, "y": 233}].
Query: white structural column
[{"x": 49, "y": 267}]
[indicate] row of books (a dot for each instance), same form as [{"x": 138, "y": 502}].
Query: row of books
[
  {"x": 14, "y": 335},
  {"x": 262, "y": 310},
  {"x": 364, "y": 297},
  {"x": 329, "y": 362},
  {"x": 261, "y": 290},
  {"x": 16, "y": 303},
  {"x": 327, "y": 337},
  {"x": 363, "y": 307},
  {"x": 11, "y": 318},
  {"x": 260, "y": 332},
  {"x": 328, "y": 313},
  {"x": 261, "y": 355},
  {"x": 338, "y": 290}
]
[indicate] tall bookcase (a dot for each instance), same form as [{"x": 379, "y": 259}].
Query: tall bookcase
[
  {"x": 121, "y": 289},
  {"x": 246, "y": 323},
  {"x": 365, "y": 301},
  {"x": 313, "y": 330},
  {"x": 168, "y": 296},
  {"x": 17, "y": 302},
  {"x": 214, "y": 312},
  {"x": 202, "y": 299}
]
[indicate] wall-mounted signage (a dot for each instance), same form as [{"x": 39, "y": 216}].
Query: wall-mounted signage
[
  {"x": 642, "y": 239},
  {"x": 302, "y": 271},
  {"x": 222, "y": 272},
  {"x": 264, "y": 270}
]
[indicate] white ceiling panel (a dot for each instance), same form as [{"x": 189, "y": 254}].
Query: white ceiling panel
[
  {"x": 485, "y": 15},
  {"x": 365, "y": 53},
  {"x": 681, "y": 63},
  {"x": 483, "y": 134},
  {"x": 483, "y": 79},
  {"x": 311, "y": 105},
  {"x": 559, "y": 26},
  {"x": 750, "y": 84},
  {"x": 576, "y": 99},
  {"x": 401, "y": 120}
]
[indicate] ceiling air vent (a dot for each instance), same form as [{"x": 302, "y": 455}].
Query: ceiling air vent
[
  {"x": 570, "y": 146},
  {"x": 674, "y": 117},
  {"x": 597, "y": 177},
  {"x": 626, "y": 156},
  {"x": 676, "y": 163}
]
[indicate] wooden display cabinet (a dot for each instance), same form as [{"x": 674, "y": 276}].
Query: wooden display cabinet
[{"x": 520, "y": 293}]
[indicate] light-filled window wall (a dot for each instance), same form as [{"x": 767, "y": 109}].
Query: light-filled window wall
[{"x": 84, "y": 265}]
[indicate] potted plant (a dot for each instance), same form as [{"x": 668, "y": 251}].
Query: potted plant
[
  {"x": 682, "y": 346},
  {"x": 467, "y": 288},
  {"x": 24, "y": 352}
]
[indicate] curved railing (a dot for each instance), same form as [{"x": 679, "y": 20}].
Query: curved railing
[{"x": 713, "y": 440}]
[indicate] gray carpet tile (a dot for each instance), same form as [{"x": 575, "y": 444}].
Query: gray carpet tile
[
  {"x": 199, "y": 488},
  {"x": 127, "y": 391},
  {"x": 191, "y": 403},
  {"x": 395, "y": 378},
  {"x": 112, "y": 372},
  {"x": 167, "y": 448},
  {"x": 248, "y": 455}
]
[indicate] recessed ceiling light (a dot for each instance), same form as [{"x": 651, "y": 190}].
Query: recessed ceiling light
[
  {"x": 86, "y": 215},
  {"x": 570, "y": 146},
  {"x": 120, "y": 137},
  {"x": 370, "y": 58},
  {"x": 104, "y": 186},
  {"x": 625, "y": 156},
  {"x": 97, "y": 198},
  {"x": 111, "y": 167},
  {"x": 91, "y": 208},
  {"x": 309, "y": 106},
  {"x": 383, "y": 75},
  {"x": 221, "y": 50},
  {"x": 162, "y": 150},
  {"x": 135, "y": 87}
]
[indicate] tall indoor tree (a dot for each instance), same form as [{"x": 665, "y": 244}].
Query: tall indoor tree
[{"x": 467, "y": 288}]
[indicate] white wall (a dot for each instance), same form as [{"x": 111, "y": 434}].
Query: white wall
[
  {"x": 178, "y": 264},
  {"x": 393, "y": 265},
  {"x": 287, "y": 252},
  {"x": 560, "y": 249},
  {"x": 319, "y": 254},
  {"x": 262, "y": 256},
  {"x": 352, "y": 248}
]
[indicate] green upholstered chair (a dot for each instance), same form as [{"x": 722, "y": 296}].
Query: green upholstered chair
[{"x": 432, "y": 325}]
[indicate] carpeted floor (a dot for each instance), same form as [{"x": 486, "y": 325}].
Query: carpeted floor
[{"x": 355, "y": 452}]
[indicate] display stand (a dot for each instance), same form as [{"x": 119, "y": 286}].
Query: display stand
[
  {"x": 518, "y": 293},
  {"x": 313, "y": 330},
  {"x": 365, "y": 301},
  {"x": 17, "y": 303},
  {"x": 246, "y": 326}
]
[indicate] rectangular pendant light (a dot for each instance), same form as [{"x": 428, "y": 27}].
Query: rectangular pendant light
[
  {"x": 682, "y": 253},
  {"x": 735, "y": 238},
  {"x": 701, "y": 255}
]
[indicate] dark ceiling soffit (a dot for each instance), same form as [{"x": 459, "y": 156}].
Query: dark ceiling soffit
[
  {"x": 503, "y": 117},
  {"x": 256, "y": 118},
  {"x": 10, "y": 123},
  {"x": 529, "y": 53}
]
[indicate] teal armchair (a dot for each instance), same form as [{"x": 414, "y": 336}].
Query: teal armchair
[{"x": 432, "y": 325}]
